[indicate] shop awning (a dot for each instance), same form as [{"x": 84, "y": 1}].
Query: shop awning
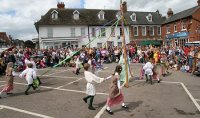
[{"x": 150, "y": 42}]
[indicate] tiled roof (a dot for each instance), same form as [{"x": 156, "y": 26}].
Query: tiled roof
[
  {"x": 181, "y": 15},
  {"x": 90, "y": 17}
]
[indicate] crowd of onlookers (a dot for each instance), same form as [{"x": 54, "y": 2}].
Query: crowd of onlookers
[{"x": 186, "y": 59}]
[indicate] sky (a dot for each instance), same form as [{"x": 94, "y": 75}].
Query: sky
[{"x": 17, "y": 17}]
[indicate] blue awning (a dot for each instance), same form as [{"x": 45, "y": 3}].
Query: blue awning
[
  {"x": 180, "y": 34},
  {"x": 177, "y": 35}
]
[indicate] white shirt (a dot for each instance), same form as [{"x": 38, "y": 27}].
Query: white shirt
[
  {"x": 91, "y": 79},
  {"x": 29, "y": 75},
  {"x": 148, "y": 67}
]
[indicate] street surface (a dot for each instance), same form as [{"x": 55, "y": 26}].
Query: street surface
[{"x": 60, "y": 96}]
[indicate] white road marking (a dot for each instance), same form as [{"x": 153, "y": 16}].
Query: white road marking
[
  {"x": 47, "y": 87},
  {"x": 198, "y": 100},
  {"x": 100, "y": 112},
  {"x": 55, "y": 76},
  {"x": 101, "y": 70},
  {"x": 191, "y": 97},
  {"x": 69, "y": 83},
  {"x": 1, "y": 108},
  {"x": 164, "y": 82},
  {"x": 58, "y": 72},
  {"x": 186, "y": 90},
  {"x": 24, "y": 111}
]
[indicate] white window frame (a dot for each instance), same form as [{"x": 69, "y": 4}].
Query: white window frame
[
  {"x": 133, "y": 17},
  {"x": 168, "y": 29},
  {"x": 149, "y": 17},
  {"x": 159, "y": 30},
  {"x": 93, "y": 32},
  {"x": 151, "y": 31},
  {"x": 82, "y": 31},
  {"x": 145, "y": 31},
  {"x": 103, "y": 32},
  {"x": 175, "y": 28},
  {"x": 113, "y": 31},
  {"x": 76, "y": 15},
  {"x": 183, "y": 25},
  {"x": 49, "y": 32},
  {"x": 99, "y": 45},
  {"x": 136, "y": 30},
  {"x": 101, "y": 15},
  {"x": 54, "y": 15},
  {"x": 73, "y": 32}
]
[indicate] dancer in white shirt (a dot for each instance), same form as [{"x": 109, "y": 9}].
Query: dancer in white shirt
[
  {"x": 90, "y": 88},
  {"x": 29, "y": 74}
]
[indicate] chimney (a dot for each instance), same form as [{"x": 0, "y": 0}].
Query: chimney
[
  {"x": 198, "y": 2},
  {"x": 61, "y": 5},
  {"x": 170, "y": 12},
  {"x": 124, "y": 7}
]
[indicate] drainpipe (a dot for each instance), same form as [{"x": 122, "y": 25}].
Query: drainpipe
[{"x": 89, "y": 35}]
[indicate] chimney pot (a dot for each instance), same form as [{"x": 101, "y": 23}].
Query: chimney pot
[
  {"x": 61, "y": 5},
  {"x": 198, "y": 1},
  {"x": 170, "y": 12}
]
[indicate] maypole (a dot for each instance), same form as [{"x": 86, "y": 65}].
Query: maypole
[{"x": 124, "y": 42}]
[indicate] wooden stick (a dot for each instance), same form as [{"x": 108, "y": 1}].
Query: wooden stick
[{"x": 124, "y": 44}]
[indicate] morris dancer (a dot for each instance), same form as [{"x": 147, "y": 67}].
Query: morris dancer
[
  {"x": 29, "y": 74},
  {"x": 90, "y": 88},
  {"x": 10, "y": 76},
  {"x": 35, "y": 69},
  {"x": 115, "y": 94},
  {"x": 148, "y": 68}
]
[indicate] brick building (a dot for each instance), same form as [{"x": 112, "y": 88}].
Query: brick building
[
  {"x": 61, "y": 27},
  {"x": 182, "y": 27}
]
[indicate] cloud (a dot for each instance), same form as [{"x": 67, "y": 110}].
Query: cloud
[
  {"x": 17, "y": 17},
  {"x": 143, "y": 5}
]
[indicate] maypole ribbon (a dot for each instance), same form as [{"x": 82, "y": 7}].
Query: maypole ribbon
[
  {"x": 112, "y": 32},
  {"x": 96, "y": 29},
  {"x": 80, "y": 49}
]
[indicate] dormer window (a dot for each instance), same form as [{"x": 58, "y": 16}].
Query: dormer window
[
  {"x": 149, "y": 17},
  {"x": 133, "y": 17},
  {"x": 54, "y": 15},
  {"x": 76, "y": 15},
  {"x": 101, "y": 15},
  {"x": 118, "y": 15}
]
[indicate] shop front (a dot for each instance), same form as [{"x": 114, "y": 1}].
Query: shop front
[{"x": 176, "y": 39}]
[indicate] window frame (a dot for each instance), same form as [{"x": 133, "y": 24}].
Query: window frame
[
  {"x": 50, "y": 32},
  {"x": 159, "y": 32},
  {"x": 103, "y": 33},
  {"x": 93, "y": 32},
  {"x": 135, "y": 30},
  {"x": 151, "y": 31},
  {"x": 175, "y": 28},
  {"x": 83, "y": 31},
  {"x": 144, "y": 30},
  {"x": 167, "y": 29},
  {"x": 113, "y": 31},
  {"x": 133, "y": 16},
  {"x": 73, "y": 32}
]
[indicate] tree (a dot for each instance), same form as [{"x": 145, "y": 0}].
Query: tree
[{"x": 29, "y": 44}]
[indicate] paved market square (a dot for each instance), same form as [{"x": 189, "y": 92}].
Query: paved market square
[{"x": 60, "y": 96}]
